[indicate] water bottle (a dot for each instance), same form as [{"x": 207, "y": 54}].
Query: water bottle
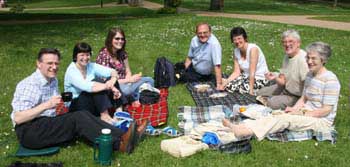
[{"x": 104, "y": 144}]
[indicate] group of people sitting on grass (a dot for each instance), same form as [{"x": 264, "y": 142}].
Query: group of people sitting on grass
[{"x": 304, "y": 88}]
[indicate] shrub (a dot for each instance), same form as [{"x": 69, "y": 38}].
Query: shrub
[
  {"x": 167, "y": 11},
  {"x": 18, "y": 8},
  {"x": 172, "y": 3}
]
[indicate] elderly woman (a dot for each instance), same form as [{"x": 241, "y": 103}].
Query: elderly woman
[
  {"x": 316, "y": 108},
  {"x": 89, "y": 93},
  {"x": 249, "y": 65},
  {"x": 113, "y": 55}
]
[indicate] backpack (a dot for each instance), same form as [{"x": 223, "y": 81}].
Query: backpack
[{"x": 164, "y": 75}]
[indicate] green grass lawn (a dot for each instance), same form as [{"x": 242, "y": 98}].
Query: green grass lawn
[
  {"x": 57, "y": 3},
  {"x": 285, "y": 7},
  {"x": 170, "y": 36},
  {"x": 340, "y": 18},
  {"x": 106, "y": 12}
]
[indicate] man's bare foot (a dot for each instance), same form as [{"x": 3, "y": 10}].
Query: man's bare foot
[
  {"x": 227, "y": 123},
  {"x": 136, "y": 103},
  {"x": 239, "y": 130},
  {"x": 106, "y": 117}
]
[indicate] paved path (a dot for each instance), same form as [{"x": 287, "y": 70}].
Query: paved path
[{"x": 287, "y": 19}]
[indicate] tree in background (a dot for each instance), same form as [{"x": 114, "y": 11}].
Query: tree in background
[{"x": 216, "y": 4}]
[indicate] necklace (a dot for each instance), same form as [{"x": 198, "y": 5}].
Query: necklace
[{"x": 82, "y": 70}]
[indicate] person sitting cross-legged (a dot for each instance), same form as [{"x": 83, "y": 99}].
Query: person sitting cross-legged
[
  {"x": 316, "y": 108},
  {"x": 290, "y": 81}
]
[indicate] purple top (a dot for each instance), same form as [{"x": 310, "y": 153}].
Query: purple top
[{"x": 104, "y": 58}]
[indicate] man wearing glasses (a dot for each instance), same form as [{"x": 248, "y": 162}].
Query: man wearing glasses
[
  {"x": 290, "y": 82},
  {"x": 204, "y": 55},
  {"x": 35, "y": 118}
]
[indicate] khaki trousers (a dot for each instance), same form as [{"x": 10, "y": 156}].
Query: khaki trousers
[
  {"x": 278, "y": 98},
  {"x": 278, "y": 123}
]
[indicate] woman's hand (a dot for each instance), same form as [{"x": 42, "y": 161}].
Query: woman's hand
[
  {"x": 290, "y": 109},
  {"x": 251, "y": 92},
  {"x": 135, "y": 78},
  {"x": 110, "y": 83},
  {"x": 116, "y": 93}
]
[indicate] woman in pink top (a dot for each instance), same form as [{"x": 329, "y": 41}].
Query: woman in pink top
[{"x": 113, "y": 55}]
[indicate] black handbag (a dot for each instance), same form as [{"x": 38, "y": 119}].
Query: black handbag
[{"x": 149, "y": 97}]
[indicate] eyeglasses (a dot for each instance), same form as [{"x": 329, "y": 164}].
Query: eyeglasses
[
  {"x": 118, "y": 38},
  {"x": 203, "y": 33}
]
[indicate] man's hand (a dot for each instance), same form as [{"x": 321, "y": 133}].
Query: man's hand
[
  {"x": 270, "y": 76},
  {"x": 53, "y": 102}
]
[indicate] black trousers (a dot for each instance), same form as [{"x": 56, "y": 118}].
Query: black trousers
[
  {"x": 97, "y": 102},
  {"x": 191, "y": 75},
  {"x": 52, "y": 131}
]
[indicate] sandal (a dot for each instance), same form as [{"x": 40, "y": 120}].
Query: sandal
[
  {"x": 151, "y": 131},
  {"x": 172, "y": 132}
]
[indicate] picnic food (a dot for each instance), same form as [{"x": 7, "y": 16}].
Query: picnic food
[
  {"x": 202, "y": 87},
  {"x": 242, "y": 109},
  {"x": 218, "y": 95}
]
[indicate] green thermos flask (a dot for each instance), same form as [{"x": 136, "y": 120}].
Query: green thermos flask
[{"x": 104, "y": 144}]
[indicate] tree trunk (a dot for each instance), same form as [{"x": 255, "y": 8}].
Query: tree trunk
[
  {"x": 335, "y": 3},
  {"x": 135, "y": 2},
  {"x": 167, "y": 3},
  {"x": 216, "y": 4}
]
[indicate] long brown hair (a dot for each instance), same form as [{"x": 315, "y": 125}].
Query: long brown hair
[{"x": 119, "y": 54}]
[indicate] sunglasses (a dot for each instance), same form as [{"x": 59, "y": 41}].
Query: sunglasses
[{"x": 118, "y": 38}]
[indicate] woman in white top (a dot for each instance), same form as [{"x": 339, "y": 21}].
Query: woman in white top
[{"x": 249, "y": 65}]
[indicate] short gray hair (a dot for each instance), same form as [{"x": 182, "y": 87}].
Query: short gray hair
[
  {"x": 322, "y": 49},
  {"x": 292, "y": 33}
]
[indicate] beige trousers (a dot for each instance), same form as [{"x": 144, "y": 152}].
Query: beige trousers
[
  {"x": 278, "y": 123},
  {"x": 278, "y": 97}
]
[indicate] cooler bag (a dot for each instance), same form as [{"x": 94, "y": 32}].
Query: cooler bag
[{"x": 156, "y": 113}]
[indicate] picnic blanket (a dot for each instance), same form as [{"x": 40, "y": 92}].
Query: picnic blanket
[
  {"x": 203, "y": 99},
  {"x": 195, "y": 117},
  {"x": 191, "y": 116},
  {"x": 287, "y": 135}
]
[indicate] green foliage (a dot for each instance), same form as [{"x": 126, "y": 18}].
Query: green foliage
[
  {"x": 82, "y": 13},
  {"x": 167, "y": 11},
  {"x": 173, "y": 3},
  {"x": 57, "y": 3},
  {"x": 18, "y": 8}
]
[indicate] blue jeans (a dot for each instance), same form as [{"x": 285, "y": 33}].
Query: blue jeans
[{"x": 133, "y": 88}]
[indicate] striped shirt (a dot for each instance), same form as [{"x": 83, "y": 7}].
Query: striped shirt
[
  {"x": 33, "y": 91},
  {"x": 322, "y": 90}
]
